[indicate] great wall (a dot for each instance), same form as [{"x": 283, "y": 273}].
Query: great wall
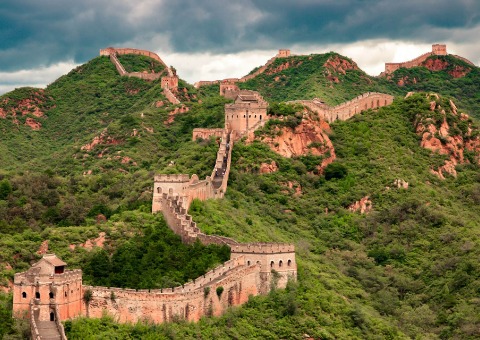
[
  {"x": 169, "y": 81},
  {"x": 437, "y": 49},
  {"x": 48, "y": 294}
]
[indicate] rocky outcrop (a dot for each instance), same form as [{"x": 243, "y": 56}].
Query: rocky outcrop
[
  {"x": 456, "y": 71},
  {"x": 448, "y": 133},
  {"x": 340, "y": 65},
  {"x": 308, "y": 138},
  {"x": 43, "y": 248},
  {"x": 103, "y": 138},
  {"x": 91, "y": 243},
  {"x": 363, "y": 206},
  {"x": 266, "y": 168},
  {"x": 34, "y": 107},
  {"x": 171, "y": 115}
]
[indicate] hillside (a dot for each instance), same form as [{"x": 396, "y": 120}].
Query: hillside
[{"x": 405, "y": 269}]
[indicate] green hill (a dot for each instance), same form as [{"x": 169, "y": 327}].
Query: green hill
[{"x": 408, "y": 269}]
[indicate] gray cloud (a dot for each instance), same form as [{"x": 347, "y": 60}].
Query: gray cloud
[{"x": 41, "y": 33}]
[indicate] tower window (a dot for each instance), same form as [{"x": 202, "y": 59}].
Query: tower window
[{"x": 24, "y": 295}]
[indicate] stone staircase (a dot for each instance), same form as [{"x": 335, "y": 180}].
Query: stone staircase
[{"x": 48, "y": 330}]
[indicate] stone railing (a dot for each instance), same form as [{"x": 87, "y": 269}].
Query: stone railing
[
  {"x": 33, "y": 325},
  {"x": 59, "y": 324},
  {"x": 170, "y": 96},
  {"x": 344, "y": 111}
]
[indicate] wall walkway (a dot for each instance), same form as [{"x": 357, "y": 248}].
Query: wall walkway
[{"x": 344, "y": 111}]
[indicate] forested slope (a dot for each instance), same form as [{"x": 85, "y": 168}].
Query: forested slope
[{"x": 408, "y": 268}]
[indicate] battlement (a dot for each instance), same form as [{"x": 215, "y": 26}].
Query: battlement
[
  {"x": 283, "y": 53},
  {"x": 206, "y": 133},
  {"x": 263, "y": 248},
  {"x": 172, "y": 178},
  {"x": 437, "y": 49},
  {"x": 346, "y": 110}
]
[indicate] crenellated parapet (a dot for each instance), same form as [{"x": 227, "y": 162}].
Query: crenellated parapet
[
  {"x": 346, "y": 110},
  {"x": 227, "y": 90},
  {"x": 437, "y": 49},
  {"x": 168, "y": 82}
]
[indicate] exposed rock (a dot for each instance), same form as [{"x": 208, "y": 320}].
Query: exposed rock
[
  {"x": 459, "y": 71},
  {"x": 171, "y": 114},
  {"x": 284, "y": 66},
  {"x": 43, "y": 248},
  {"x": 103, "y": 138},
  {"x": 91, "y": 243},
  {"x": 266, "y": 168},
  {"x": 309, "y": 137},
  {"x": 340, "y": 65},
  {"x": 33, "y": 123},
  {"x": 435, "y": 64},
  {"x": 400, "y": 183},
  {"x": 437, "y": 136},
  {"x": 364, "y": 206}
]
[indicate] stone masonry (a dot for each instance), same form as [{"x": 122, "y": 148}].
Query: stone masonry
[
  {"x": 168, "y": 82},
  {"x": 437, "y": 49},
  {"x": 346, "y": 110}
]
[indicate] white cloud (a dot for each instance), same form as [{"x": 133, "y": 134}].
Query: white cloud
[
  {"x": 38, "y": 77},
  {"x": 370, "y": 55}
]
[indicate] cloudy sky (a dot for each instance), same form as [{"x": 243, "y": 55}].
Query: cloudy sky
[{"x": 211, "y": 39}]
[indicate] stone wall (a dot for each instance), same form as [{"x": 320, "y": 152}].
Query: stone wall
[
  {"x": 121, "y": 51},
  {"x": 66, "y": 290},
  {"x": 189, "y": 302},
  {"x": 206, "y": 133},
  {"x": 168, "y": 83},
  {"x": 282, "y": 53},
  {"x": 344, "y": 111},
  {"x": 437, "y": 49},
  {"x": 244, "y": 116}
]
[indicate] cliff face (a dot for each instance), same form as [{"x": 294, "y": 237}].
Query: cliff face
[
  {"x": 308, "y": 138},
  {"x": 448, "y": 133},
  {"x": 456, "y": 71}
]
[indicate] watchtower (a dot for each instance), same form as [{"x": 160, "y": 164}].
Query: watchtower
[
  {"x": 439, "y": 49},
  {"x": 47, "y": 288}
]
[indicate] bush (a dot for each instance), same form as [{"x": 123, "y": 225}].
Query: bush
[{"x": 335, "y": 170}]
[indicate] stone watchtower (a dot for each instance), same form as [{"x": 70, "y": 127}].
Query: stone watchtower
[
  {"x": 439, "y": 49},
  {"x": 247, "y": 113},
  {"x": 48, "y": 290}
]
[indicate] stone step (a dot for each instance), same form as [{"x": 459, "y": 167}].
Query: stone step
[{"x": 48, "y": 330}]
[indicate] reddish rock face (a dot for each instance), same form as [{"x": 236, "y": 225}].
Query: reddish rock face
[
  {"x": 459, "y": 71},
  {"x": 364, "y": 206},
  {"x": 438, "y": 65},
  {"x": 103, "y": 138},
  {"x": 435, "y": 64},
  {"x": 310, "y": 137},
  {"x": 284, "y": 66},
  {"x": 33, "y": 123},
  {"x": 437, "y": 137},
  {"x": 173, "y": 113},
  {"x": 43, "y": 248},
  {"x": 340, "y": 65},
  {"x": 266, "y": 168}
]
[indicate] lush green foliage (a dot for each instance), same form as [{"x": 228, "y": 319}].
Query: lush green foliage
[
  {"x": 158, "y": 255},
  {"x": 140, "y": 63},
  {"x": 407, "y": 269}
]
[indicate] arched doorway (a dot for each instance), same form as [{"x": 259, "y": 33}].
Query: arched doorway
[{"x": 52, "y": 316}]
